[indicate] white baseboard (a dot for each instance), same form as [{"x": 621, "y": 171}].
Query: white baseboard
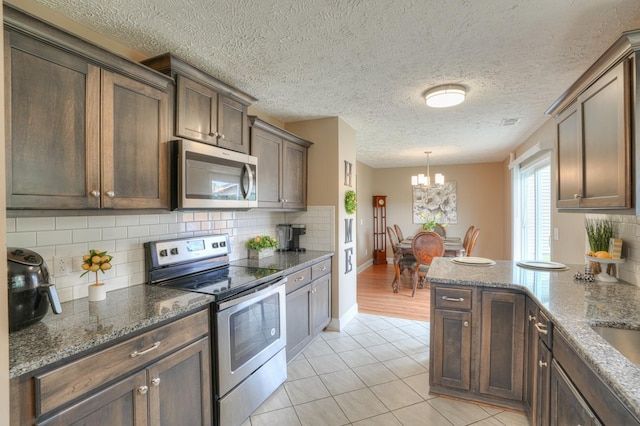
[
  {"x": 365, "y": 265},
  {"x": 338, "y": 324}
]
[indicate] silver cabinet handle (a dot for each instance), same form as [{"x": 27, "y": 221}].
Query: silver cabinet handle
[
  {"x": 452, "y": 299},
  {"x": 466, "y": 323},
  {"x": 542, "y": 329},
  {"x": 111, "y": 194},
  {"x": 155, "y": 381},
  {"x": 532, "y": 318},
  {"x": 577, "y": 196},
  {"x": 149, "y": 349},
  {"x": 300, "y": 278},
  {"x": 222, "y": 136},
  {"x": 324, "y": 268},
  {"x": 143, "y": 389},
  {"x": 95, "y": 193},
  {"x": 542, "y": 364}
]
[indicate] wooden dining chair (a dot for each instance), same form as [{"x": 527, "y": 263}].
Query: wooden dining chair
[
  {"x": 398, "y": 232},
  {"x": 472, "y": 242},
  {"x": 406, "y": 261},
  {"x": 439, "y": 229},
  {"x": 425, "y": 245},
  {"x": 467, "y": 237}
]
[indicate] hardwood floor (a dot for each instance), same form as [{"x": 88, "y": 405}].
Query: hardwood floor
[{"x": 375, "y": 295}]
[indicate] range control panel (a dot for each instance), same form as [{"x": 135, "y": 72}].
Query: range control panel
[{"x": 181, "y": 250}]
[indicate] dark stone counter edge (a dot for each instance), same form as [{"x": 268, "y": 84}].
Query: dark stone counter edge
[
  {"x": 616, "y": 384},
  {"x": 18, "y": 368}
]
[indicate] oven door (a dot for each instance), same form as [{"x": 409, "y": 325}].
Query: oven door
[{"x": 251, "y": 329}]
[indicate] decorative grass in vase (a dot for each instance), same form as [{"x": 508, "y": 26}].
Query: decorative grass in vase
[{"x": 599, "y": 232}]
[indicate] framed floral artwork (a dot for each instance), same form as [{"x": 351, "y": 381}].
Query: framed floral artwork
[{"x": 438, "y": 203}]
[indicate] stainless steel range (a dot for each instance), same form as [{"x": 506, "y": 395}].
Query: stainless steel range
[{"x": 248, "y": 315}]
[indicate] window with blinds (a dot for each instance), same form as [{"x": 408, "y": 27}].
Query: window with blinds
[{"x": 534, "y": 202}]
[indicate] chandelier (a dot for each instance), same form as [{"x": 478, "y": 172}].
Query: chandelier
[{"x": 422, "y": 181}]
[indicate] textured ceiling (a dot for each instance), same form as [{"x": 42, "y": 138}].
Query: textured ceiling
[{"x": 370, "y": 62}]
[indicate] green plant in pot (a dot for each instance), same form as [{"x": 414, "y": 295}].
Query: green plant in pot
[
  {"x": 599, "y": 232},
  {"x": 262, "y": 242},
  {"x": 430, "y": 221}
]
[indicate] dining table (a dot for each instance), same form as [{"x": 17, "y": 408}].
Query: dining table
[{"x": 452, "y": 248}]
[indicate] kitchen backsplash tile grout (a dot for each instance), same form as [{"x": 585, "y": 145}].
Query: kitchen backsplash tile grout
[{"x": 123, "y": 237}]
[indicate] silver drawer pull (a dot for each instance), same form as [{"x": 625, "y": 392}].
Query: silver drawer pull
[
  {"x": 143, "y": 389},
  {"x": 300, "y": 278},
  {"x": 542, "y": 363},
  {"x": 155, "y": 381},
  {"x": 542, "y": 329},
  {"x": 149, "y": 349},
  {"x": 324, "y": 268},
  {"x": 453, "y": 299},
  {"x": 532, "y": 318},
  {"x": 466, "y": 323}
]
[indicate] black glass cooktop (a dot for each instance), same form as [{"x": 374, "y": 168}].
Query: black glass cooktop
[{"x": 225, "y": 281}]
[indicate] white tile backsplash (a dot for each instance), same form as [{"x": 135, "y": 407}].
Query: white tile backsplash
[{"x": 123, "y": 237}]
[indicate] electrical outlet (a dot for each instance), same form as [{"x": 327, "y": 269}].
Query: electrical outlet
[
  {"x": 366, "y": 252},
  {"x": 61, "y": 266}
]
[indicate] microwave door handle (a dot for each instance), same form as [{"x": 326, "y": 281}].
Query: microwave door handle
[{"x": 248, "y": 172}]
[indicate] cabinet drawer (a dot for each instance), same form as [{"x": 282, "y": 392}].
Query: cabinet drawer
[
  {"x": 68, "y": 382},
  {"x": 453, "y": 298},
  {"x": 320, "y": 269},
  {"x": 544, "y": 328},
  {"x": 298, "y": 279}
]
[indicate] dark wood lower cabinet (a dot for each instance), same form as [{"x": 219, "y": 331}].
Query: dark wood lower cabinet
[
  {"x": 451, "y": 349},
  {"x": 567, "y": 407},
  {"x": 119, "y": 404},
  {"x": 543, "y": 380},
  {"x": 308, "y": 305},
  {"x": 502, "y": 345}
]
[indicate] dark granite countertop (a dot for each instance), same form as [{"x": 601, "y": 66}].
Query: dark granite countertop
[
  {"x": 84, "y": 325},
  {"x": 573, "y": 306}
]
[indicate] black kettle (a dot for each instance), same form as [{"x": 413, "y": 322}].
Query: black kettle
[{"x": 30, "y": 291}]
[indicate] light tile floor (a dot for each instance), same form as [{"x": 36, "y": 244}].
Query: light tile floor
[{"x": 375, "y": 372}]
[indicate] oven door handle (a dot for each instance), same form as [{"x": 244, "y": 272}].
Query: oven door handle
[{"x": 250, "y": 296}]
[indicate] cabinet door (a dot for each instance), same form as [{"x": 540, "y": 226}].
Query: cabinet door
[
  {"x": 299, "y": 331},
  {"x": 294, "y": 176},
  {"x": 502, "y": 344},
  {"x": 52, "y": 127},
  {"x": 320, "y": 303},
  {"x": 134, "y": 144},
  {"x": 451, "y": 349},
  {"x": 180, "y": 387},
  {"x": 569, "y": 154},
  {"x": 606, "y": 152},
  {"x": 124, "y": 403},
  {"x": 543, "y": 380},
  {"x": 567, "y": 405},
  {"x": 197, "y": 111},
  {"x": 268, "y": 148},
  {"x": 530, "y": 357},
  {"x": 233, "y": 126}
]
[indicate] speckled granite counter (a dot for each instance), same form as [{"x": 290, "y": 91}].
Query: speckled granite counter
[
  {"x": 84, "y": 325},
  {"x": 573, "y": 306}
]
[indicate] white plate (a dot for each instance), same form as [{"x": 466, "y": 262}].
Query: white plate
[
  {"x": 540, "y": 264},
  {"x": 470, "y": 260}
]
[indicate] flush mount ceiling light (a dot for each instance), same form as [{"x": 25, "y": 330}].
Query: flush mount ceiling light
[{"x": 445, "y": 96}]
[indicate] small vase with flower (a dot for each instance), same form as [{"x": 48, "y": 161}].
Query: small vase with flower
[{"x": 96, "y": 261}]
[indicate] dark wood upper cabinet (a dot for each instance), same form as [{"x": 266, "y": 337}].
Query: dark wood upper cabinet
[
  {"x": 85, "y": 129},
  {"x": 596, "y": 128},
  {"x": 282, "y": 166},
  {"x": 207, "y": 110}
]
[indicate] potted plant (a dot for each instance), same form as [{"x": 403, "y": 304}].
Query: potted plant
[
  {"x": 430, "y": 221},
  {"x": 261, "y": 246},
  {"x": 599, "y": 232},
  {"x": 96, "y": 261}
]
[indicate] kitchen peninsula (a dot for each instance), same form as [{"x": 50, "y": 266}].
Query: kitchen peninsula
[{"x": 537, "y": 325}]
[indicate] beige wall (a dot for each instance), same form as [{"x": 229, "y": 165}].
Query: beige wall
[
  {"x": 570, "y": 245},
  {"x": 364, "y": 215},
  {"x": 333, "y": 143},
  {"x": 480, "y": 199}
]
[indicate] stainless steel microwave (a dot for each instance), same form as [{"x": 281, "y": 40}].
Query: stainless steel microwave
[{"x": 208, "y": 177}]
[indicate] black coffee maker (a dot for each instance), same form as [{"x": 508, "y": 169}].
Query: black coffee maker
[{"x": 289, "y": 237}]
